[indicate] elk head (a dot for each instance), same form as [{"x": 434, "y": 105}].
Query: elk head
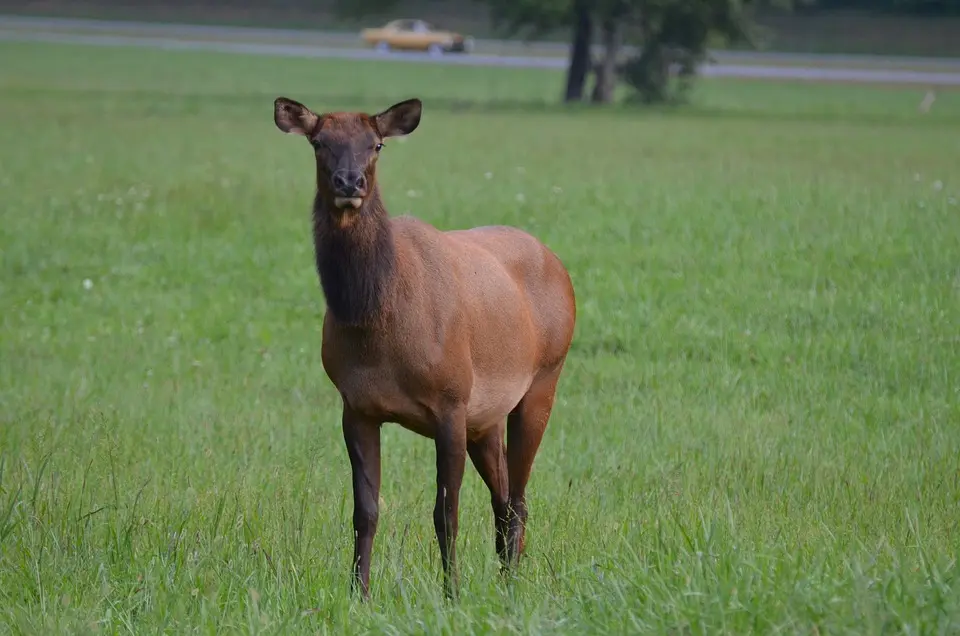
[{"x": 346, "y": 144}]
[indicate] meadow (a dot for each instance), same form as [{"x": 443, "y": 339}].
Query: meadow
[{"x": 758, "y": 429}]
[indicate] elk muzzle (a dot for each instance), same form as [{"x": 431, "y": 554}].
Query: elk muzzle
[{"x": 349, "y": 188}]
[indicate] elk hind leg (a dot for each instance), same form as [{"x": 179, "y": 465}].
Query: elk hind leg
[
  {"x": 525, "y": 427},
  {"x": 489, "y": 458}
]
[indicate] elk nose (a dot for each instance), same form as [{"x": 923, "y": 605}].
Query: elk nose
[{"x": 348, "y": 182}]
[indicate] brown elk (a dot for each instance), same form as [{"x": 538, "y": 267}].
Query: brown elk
[{"x": 448, "y": 334}]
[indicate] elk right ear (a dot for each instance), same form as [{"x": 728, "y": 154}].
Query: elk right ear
[{"x": 293, "y": 117}]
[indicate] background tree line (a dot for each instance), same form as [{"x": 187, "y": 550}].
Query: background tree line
[
  {"x": 653, "y": 47},
  {"x": 669, "y": 39},
  {"x": 922, "y": 7}
]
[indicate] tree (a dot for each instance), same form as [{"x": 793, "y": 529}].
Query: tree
[
  {"x": 579, "y": 66},
  {"x": 674, "y": 36},
  {"x": 612, "y": 15},
  {"x": 534, "y": 18},
  {"x": 671, "y": 37}
]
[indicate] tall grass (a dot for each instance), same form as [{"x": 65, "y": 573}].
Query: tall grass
[{"x": 756, "y": 433}]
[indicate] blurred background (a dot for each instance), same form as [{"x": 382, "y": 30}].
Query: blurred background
[
  {"x": 644, "y": 50},
  {"x": 756, "y": 429}
]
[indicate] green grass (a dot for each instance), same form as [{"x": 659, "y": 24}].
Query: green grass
[{"x": 757, "y": 428}]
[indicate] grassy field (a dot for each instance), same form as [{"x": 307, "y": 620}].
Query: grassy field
[{"x": 757, "y": 431}]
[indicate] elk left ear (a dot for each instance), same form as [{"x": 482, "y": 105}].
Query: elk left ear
[
  {"x": 293, "y": 117},
  {"x": 400, "y": 119}
]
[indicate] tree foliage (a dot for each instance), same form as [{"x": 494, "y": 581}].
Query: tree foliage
[
  {"x": 363, "y": 8},
  {"x": 531, "y": 18},
  {"x": 674, "y": 38},
  {"x": 927, "y": 7},
  {"x": 670, "y": 35}
]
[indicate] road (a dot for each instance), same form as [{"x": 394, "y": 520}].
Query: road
[{"x": 545, "y": 55}]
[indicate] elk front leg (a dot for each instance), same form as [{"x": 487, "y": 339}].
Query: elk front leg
[
  {"x": 451, "y": 443},
  {"x": 362, "y": 437}
]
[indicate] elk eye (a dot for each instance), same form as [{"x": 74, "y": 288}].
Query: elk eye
[{"x": 378, "y": 147}]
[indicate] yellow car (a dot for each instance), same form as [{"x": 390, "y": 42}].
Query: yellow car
[{"x": 416, "y": 35}]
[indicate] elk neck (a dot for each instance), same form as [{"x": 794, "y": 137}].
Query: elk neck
[{"x": 355, "y": 257}]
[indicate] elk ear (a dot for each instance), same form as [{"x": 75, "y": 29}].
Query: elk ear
[
  {"x": 293, "y": 117},
  {"x": 400, "y": 119}
]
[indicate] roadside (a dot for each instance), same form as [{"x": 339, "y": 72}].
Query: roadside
[
  {"x": 18, "y": 27},
  {"x": 488, "y": 52},
  {"x": 861, "y": 32}
]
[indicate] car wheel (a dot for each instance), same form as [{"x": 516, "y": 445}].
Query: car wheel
[
  {"x": 383, "y": 47},
  {"x": 435, "y": 49}
]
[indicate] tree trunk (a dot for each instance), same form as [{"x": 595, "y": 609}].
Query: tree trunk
[
  {"x": 580, "y": 61},
  {"x": 607, "y": 69}
]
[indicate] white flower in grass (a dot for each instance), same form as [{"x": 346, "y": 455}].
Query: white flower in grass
[{"x": 87, "y": 284}]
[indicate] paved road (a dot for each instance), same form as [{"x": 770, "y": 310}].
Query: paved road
[{"x": 548, "y": 55}]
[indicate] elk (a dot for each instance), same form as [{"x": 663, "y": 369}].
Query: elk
[{"x": 459, "y": 336}]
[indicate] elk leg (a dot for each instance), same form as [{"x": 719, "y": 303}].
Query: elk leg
[
  {"x": 525, "y": 427},
  {"x": 451, "y": 441},
  {"x": 489, "y": 458},
  {"x": 362, "y": 438}
]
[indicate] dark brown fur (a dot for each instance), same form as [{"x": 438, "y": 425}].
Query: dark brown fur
[
  {"x": 459, "y": 336},
  {"x": 355, "y": 267}
]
